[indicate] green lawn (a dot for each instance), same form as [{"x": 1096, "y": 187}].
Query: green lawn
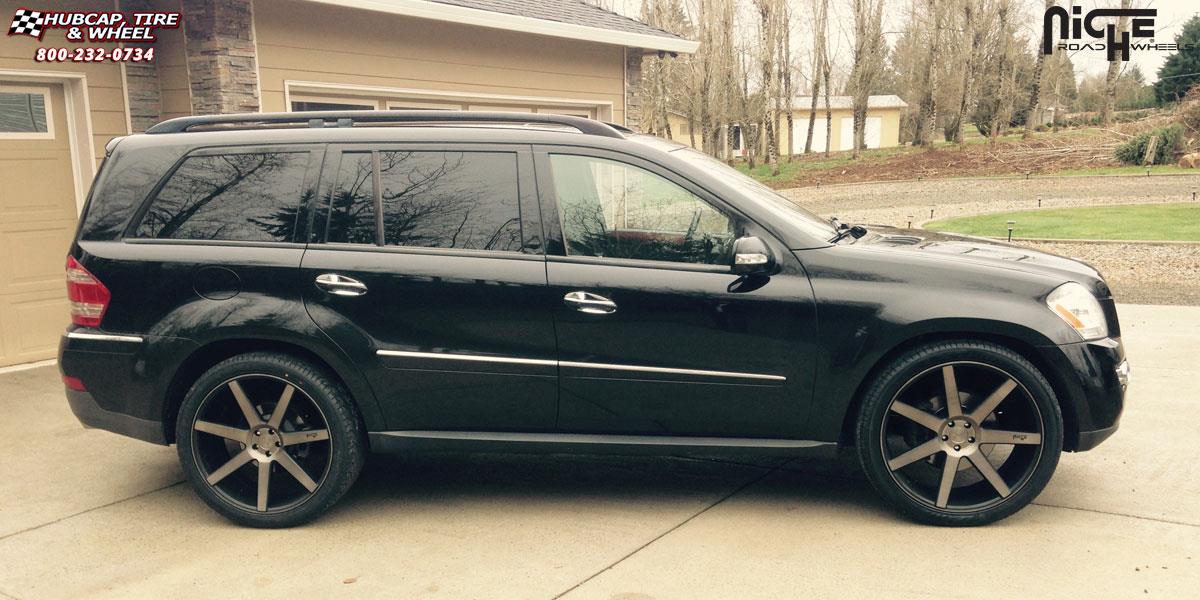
[
  {"x": 1126, "y": 170},
  {"x": 1131, "y": 222}
]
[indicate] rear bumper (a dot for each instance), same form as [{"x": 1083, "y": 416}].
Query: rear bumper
[
  {"x": 1093, "y": 378},
  {"x": 92, "y": 414},
  {"x": 122, "y": 374}
]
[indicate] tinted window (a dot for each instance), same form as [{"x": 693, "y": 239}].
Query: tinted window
[
  {"x": 243, "y": 197},
  {"x": 450, "y": 200},
  {"x": 352, "y": 203},
  {"x": 618, "y": 210}
]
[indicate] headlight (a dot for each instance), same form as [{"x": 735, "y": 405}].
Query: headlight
[{"x": 1080, "y": 309}]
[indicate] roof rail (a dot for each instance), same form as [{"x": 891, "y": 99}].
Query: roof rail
[{"x": 350, "y": 118}]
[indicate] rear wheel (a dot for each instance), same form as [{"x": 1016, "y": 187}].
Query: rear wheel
[
  {"x": 960, "y": 433},
  {"x": 269, "y": 440}
]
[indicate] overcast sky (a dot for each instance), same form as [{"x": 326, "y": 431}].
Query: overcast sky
[{"x": 1171, "y": 16}]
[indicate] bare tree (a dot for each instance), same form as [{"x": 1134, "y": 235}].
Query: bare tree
[
  {"x": 973, "y": 30},
  {"x": 785, "y": 71},
  {"x": 771, "y": 24},
  {"x": 1035, "y": 90},
  {"x": 1114, "y": 71},
  {"x": 869, "y": 51},
  {"x": 820, "y": 57},
  {"x": 926, "y": 122}
]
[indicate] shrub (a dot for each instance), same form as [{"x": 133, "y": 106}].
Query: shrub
[{"x": 1170, "y": 143}]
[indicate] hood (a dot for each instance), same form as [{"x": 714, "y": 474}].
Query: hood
[{"x": 982, "y": 251}]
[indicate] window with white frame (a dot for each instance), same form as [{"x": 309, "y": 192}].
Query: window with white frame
[{"x": 25, "y": 113}]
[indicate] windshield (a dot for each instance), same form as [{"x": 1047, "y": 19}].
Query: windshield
[{"x": 782, "y": 207}]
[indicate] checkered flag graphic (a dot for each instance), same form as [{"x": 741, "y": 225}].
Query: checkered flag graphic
[{"x": 27, "y": 22}]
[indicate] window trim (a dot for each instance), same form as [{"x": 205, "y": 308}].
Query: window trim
[
  {"x": 556, "y": 239},
  {"x": 332, "y": 100},
  {"x": 44, "y": 92},
  {"x": 300, "y": 233},
  {"x": 529, "y": 217}
]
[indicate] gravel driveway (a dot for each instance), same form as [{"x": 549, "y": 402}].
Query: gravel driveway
[{"x": 1139, "y": 273}]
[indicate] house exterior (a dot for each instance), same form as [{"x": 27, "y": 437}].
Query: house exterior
[{"x": 559, "y": 56}]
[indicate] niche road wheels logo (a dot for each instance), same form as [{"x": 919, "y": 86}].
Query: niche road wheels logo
[{"x": 1072, "y": 26}]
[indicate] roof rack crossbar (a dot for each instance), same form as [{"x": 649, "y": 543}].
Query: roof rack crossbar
[{"x": 353, "y": 117}]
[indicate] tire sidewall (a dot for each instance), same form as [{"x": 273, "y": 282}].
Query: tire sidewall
[
  {"x": 347, "y": 441},
  {"x": 892, "y": 379}
]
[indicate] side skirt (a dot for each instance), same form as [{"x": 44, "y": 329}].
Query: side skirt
[{"x": 582, "y": 443}]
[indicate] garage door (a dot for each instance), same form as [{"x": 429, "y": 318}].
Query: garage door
[
  {"x": 871, "y": 134},
  {"x": 37, "y": 220},
  {"x": 800, "y": 133}
]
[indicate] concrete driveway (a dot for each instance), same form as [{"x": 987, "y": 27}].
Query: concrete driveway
[{"x": 90, "y": 514}]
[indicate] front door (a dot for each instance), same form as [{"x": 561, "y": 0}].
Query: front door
[
  {"x": 655, "y": 335},
  {"x": 426, "y": 268}
]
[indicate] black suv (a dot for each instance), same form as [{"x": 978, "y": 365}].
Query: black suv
[{"x": 278, "y": 294}]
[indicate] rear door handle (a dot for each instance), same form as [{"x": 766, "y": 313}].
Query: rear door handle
[
  {"x": 592, "y": 304},
  {"x": 340, "y": 285}
]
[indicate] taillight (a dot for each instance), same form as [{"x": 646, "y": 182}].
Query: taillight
[
  {"x": 74, "y": 383},
  {"x": 89, "y": 298}
]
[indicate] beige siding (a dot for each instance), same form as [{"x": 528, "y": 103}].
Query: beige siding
[{"x": 387, "y": 51}]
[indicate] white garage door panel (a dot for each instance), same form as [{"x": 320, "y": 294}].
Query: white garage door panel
[
  {"x": 800, "y": 133},
  {"x": 872, "y": 135},
  {"x": 37, "y": 220}
]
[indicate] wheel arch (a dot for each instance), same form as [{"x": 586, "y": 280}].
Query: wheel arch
[
  {"x": 1023, "y": 347},
  {"x": 207, "y": 355}
]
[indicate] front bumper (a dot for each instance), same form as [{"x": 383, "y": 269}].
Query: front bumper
[{"x": 1092, "y": 380}]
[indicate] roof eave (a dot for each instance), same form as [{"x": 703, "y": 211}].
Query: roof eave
[{"x": 494, "y": 20}]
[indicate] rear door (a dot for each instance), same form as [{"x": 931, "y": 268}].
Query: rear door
[{"x": 426, "y": 267}]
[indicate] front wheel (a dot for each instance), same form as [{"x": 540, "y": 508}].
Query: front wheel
[
  {"x": 269, "y": 440},
  {"x": 960, "y": 433}
]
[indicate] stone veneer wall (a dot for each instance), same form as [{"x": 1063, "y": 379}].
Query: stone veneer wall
[
  {"x": 633, "y": 88},
  {"x": 145, "y": 95},
  {"x": 221, "y": 56}
]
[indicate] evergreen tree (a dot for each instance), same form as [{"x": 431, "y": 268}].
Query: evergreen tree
[{"x": 1181, "y": 70}]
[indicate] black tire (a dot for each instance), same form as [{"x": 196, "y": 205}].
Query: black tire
[
  {"x": 892, "y": 445},
  {"x": 329, "y": 454}
]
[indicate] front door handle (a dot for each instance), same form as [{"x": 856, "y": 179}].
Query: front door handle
[
  {"x": 340, "y": 285},
  {"x": 592, "y": 304}
]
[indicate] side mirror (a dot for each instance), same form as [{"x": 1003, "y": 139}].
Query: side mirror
[{"x": 751, "y": 256}]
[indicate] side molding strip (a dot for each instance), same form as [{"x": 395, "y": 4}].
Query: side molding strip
[
  {"x": 576, "y": 365},
  {"x": 469, "y": 357},
  {"x": 104, "y": 337},
  {"x": 599, "y": 439},
  {"x": 612, "y": 367}
]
